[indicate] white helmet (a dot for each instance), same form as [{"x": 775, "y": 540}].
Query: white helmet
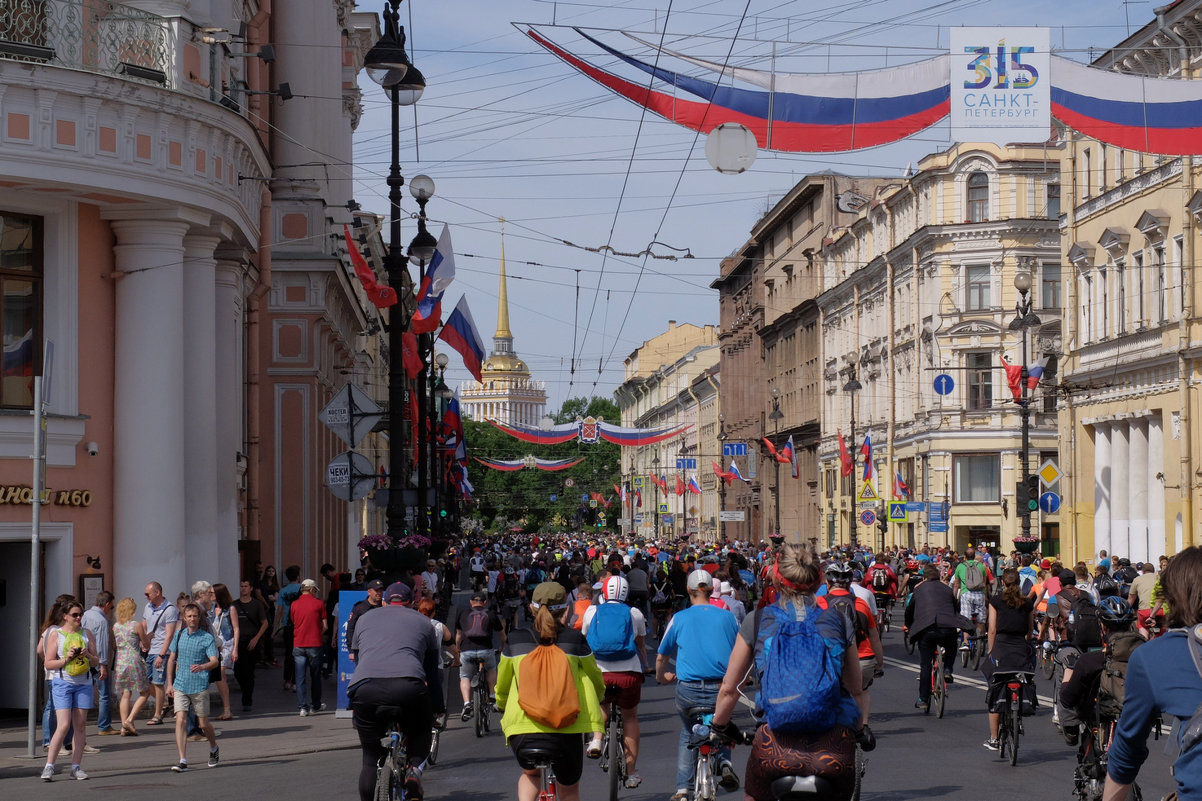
[{"x": 616, "y": 588}]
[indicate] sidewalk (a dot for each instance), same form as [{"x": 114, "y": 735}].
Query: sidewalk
[{"x": 273, "y": 729}]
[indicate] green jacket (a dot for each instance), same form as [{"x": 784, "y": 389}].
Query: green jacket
[{"x": 590, "y": 687}]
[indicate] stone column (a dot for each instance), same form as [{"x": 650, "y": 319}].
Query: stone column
[
  {"x": 1138, "y": 484},
  {"x": 200, "y": 410},
  {"x": 1119, "y": 467},
  {"x": 149, "y": 481},
  {"x": 1156, "y": 487},
  {"x": 1102, "y": 475},
  {"x": 228, "y": 385}
]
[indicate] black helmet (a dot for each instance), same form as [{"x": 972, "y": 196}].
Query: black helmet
[
  {"x": 838, "y": 573},
  {"x": 1116, "y": 613}
]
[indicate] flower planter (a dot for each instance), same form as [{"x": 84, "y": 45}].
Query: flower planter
[{"x": 1029, "y": 546}]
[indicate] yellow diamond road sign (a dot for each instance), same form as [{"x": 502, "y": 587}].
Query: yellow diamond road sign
[
  {"x": 868, "y": 492},
  {"x": 1049, "y": 472}
]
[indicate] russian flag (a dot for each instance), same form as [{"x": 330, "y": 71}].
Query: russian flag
[
  {"x": 1035, "y": 372},
  {"x": 440, "y": 272},
  {"x": 789, "y": 456},
  {"x": 866, "y": 449},
  {"x": 452, "y": 419},
  {"x": 734, "y": 471},
  {"x": 900, "y": 488},
  {"x": 694, "y": 487},
  {"x": 460, "y": 333}
]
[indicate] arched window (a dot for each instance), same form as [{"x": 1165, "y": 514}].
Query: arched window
[{"x": 978, "y": 197}]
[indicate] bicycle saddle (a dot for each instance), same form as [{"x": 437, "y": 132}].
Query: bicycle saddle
[
  {"x": 536, "y": 756},
  {"x": 700, "y": 711},
  {"x": 802, "y": 788}
]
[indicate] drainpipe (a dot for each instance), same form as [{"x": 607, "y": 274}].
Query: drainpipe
[
  {"x": 1186, "y": 481},
  {"x": 254, "y": 313}
]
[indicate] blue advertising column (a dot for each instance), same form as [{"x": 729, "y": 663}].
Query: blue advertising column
[{"x": 346, "y": 668}]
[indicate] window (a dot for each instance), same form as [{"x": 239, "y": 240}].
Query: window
[
  {"x": 1104, "y": 286},
  {"x": 1162, "y": 288},
  {"x": 978, "y": 197},
  {"x": 977, "y": 478},
  {"x": 1120, "y": 287},
  {"x": 1049, "y": 286},
  {"x": 1140, "y": 289},
  {"x": 979, "y": 367},
  {"x": 976, "y": 287},
  {"x": 1087, "y": 174},
  {"x": 20, "y": 306},
  {"x": 1053, "y": 204}
]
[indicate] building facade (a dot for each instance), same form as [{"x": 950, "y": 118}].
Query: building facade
[
  {"x": 506, "y": 392},
  {"x": 921, "y": 285},
  {"x": 1132, "y": 447}
]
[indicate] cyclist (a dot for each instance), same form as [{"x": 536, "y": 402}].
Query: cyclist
[
  {"x": 932, "y": 620},
  {"x": 1162, "y": 679},
  {"x": 473, "y": 637},
  {"x": 884, "y": 584},
  {"x": 839, "y": 596},
  {"x": 397, "y": 666},
  {"x": 1140, "y": 597},
  {"x": 970, "y": 580},
  {"x": 830, "y": 753},
  {"x": 616, "y": 633},
  {"x": 476, "y": 570},
  {"x": 1077, "y": 621},
  {"x": 1011, "y": 620},
  {"x": 508, "y": 597}
]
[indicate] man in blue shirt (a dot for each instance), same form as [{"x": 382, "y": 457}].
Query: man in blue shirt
[
  {"x": 193, "y": 655},
  {"x": 700, "y": 637},
  {"x": 288, "y": 593}
]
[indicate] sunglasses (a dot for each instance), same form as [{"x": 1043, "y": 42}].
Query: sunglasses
[{"x": 75, "y": 614}]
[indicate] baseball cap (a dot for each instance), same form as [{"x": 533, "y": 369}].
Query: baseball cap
[
  {"x": 376, "y": 584},
  {"x": 481, "y": 596},
  {"x": 700, "y": 578},
  {"x": 551, "y": 595},
  {"x": 1046, "y": 564},
  {"x": 1067, "y": 576},
  {"x": 398, "y": 592},
  {"x": 309, "y": 584},
  {"x": 725, "y": 589}
]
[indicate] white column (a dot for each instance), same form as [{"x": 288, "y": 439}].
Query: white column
[
  {"x": 148, "y": 406},
  {"x": 1119, "y": 468},
  {"x": 1137, "y": 490},
  {"x": 1101, "y": 489},
  {"x": 228, "y": 386},
  {"x": 200, "y": 410},
  {"x": 1157, "y": 464}
]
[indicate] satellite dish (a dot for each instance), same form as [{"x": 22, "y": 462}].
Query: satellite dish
[{"x": 730, "y": 148}]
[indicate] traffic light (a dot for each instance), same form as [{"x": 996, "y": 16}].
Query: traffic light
[
  {"x": 882, "y": 522},
  {"x": 1033, "y": 492}
]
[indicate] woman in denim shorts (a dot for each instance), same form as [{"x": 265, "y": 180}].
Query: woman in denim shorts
[{"x": 71, "y": 686}]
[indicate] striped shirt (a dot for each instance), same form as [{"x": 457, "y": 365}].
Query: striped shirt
[{"x": 192, "y": 649}]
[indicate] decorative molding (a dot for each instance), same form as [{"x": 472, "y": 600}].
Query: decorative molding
[{"x": 1135, "y": 186}]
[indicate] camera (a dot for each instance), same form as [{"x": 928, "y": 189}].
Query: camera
[{"x": 93, "y": 448}]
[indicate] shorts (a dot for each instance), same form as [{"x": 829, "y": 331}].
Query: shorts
[
  {"x": 467, "y": 663},
  {"x": 830, "y": 754},
  {"x": 567, "y": 749},
  {"x": 629, "y": 686},
  {"x": 867, "y": 671},
  {"x": 227, "y": 655},
  {"x": 973, "y": 603},
  {"x": 156, "y": 675},
  {"x": 197, "y": 702},
  {"x": 69, "y": 695}
]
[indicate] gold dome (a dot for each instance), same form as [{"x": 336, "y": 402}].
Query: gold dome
[{"x": 505, "y": 363}]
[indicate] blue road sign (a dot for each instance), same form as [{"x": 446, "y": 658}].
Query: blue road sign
[
  {"x": 1049, "y": 502},
  {"x": 868, "y": 517},
  {"x": 944, "y": 384},
  {"x": 584, "y": 496},
  {"x": 734, "y": 448},
  {"x": 554, "y": 498},
  {"x": 686, "y": 464},
  {"x": 915, "y": 506}
]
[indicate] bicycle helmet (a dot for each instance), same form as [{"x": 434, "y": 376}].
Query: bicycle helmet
[
  {"x": 912, "y": 565},
  {"x": 1116, "y": 613},
  {"x": 838, "y": 573},
  {"x": 616, "y": 588},
  {"x": 857, "y": 575}
]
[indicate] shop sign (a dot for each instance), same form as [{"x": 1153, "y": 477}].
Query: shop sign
[{"x": 16, "y": 493}]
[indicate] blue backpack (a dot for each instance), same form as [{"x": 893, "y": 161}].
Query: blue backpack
[
  {"x": 611, "y": 632},
  {"x": 801, "y": 684}
]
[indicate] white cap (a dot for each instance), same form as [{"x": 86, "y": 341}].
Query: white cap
[
  {"x": 700, "y": 578},
  {"x": 725, "y": 589}
]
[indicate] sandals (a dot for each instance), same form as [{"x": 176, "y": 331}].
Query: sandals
[
  {"x": 226, "y": 716},
  {"x": 128, "y": 730},
  {"x": 157, "y": 720}
]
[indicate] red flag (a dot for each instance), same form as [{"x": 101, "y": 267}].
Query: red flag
[
  {"x": 1014, "y": 377},
  {"x": 846, "y": 464},
  {"x": 415, "y": 422},
  {"x": 381, "y": 296},
  {"x": 679, "y": 485},
  {"x": 771, "y": 448},
  {"x": 410, "y": 358},
  {"x": 722, "y": 474}
]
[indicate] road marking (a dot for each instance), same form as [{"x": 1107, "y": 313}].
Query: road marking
[{"x": 960, "y": 677}]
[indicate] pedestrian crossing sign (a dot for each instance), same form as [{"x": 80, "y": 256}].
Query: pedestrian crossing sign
[
  {"x": 868, "y": 492},
  {"x": 898, "y": 513}
]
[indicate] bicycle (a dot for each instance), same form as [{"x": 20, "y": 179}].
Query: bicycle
[
  {"x": 971, "y": 658},
  {"x": 1010, "y": 727},
  {"x": 707, "y": 746},
  {"x": 884, "y": 611},
  {"x": 1045, "y": 657},
  {"x": 613, "y": 748},
  {"x": 440, "y": 723},
  {"x": 482, "y": 708},
  {"x": 938, "y": 683},
  {"x": 391, "y": 769},
  {"x": 541, "y": 759}
]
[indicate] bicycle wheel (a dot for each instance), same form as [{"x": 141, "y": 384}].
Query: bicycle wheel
[
  {"x": 703, "y": 782},
  {"x": 432, "y": 759},
  {"x": 615, "y": 758},
  {"x": 859, "y": 774},
  {"x": 978, "y": 653},
  {"x": 480, "y": 697},
  {"x": 939, "y": 691},
  {"x": 1013, "y": 713},
  {"x": 965, "y": 653},
  {"x": 1047, "y": 658}
]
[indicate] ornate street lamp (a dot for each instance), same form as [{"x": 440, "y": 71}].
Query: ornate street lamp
[
  {"x": 1024, "y": 319},
  {"x": 851, "y": 388},
  {"x": 776, "y": 416},
  {"x": 721, "y": 481}
]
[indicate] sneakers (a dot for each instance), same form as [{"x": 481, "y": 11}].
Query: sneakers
[
  {"x": 730, "y": 780},
  {"x": 964, "y": 646},
  {"x": 633, "y": 781},
  {"x": 214, "y": 757},
  {"x": 921, "y": 704},
  {"x": 1071, "y": 734},
  {"x": 413, "y": 785},
  {"x": 88, "y": 749},
  {"x": 48, "y": 772},
  {"x": 991, "y": 744},
  {"x": 949, "y": 678},
  {"x": 466, "y": 714},
  {"x": 304, "y": 713},
  {"x": 321, "y": 707},
  {"x": 179, "y": 768},
  {"x": 680, "y": 795},
  {"x": 594, "y": 748},
  {"x": 77, "y": 773}
]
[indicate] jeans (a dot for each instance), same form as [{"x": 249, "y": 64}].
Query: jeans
[
  {"x": 104, "y": 709},
  {"x": 928, "y": 640},
  {"x": 308, "y": 677},
  {"x": 688, "y": 695}
]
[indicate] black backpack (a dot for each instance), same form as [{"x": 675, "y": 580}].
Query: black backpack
[
  {"x": 846, "y": 606},
  {"x": 1106, "y": 585},
  {"x": 1084, "y": 628},
  {"x": 1112, "y": 683}
]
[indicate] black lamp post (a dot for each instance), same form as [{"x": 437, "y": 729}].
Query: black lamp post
[
  {"x": 388, "y": 65},
  {"x": 1023, "y": 320},
  {"x": 776, "y": 416},
  {"x": 441, "y": 395},
  {"x": 421, "y": 251},
  {"x": 852, "y": 387},
  {"x": 721, "y": 480},
  {"x": 655, "y": 472}
]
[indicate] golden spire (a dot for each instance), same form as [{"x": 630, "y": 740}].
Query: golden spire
[{"x": 502, "y": 296}]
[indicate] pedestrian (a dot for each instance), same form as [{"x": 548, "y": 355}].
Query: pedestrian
[
  {"x": 161, "y": 618},
  {"x": 96, "y": 621},
  {"x": 70, "y": 655},
  {"x": 253, "y": 621},
  {"x": 267, "y": 585},
  {"x": 193, "y": 653},
  {"x": 130, "y": 682},
  {"x": 225, "y": 623},
  {"x": 308, "y": 625},
  {"x": 374, "y": 599},
  {"x": 287, "y": 594}
]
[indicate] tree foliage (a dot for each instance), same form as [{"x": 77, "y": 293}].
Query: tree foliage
[{"x": 523, "y": 498}]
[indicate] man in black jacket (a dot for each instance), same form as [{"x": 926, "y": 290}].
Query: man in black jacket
[
  {"x": 933, "y": 619},
  {"x": 374, "y": 600}
]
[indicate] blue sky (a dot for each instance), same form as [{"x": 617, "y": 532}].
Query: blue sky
[{"x": 507, "y": 130}]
